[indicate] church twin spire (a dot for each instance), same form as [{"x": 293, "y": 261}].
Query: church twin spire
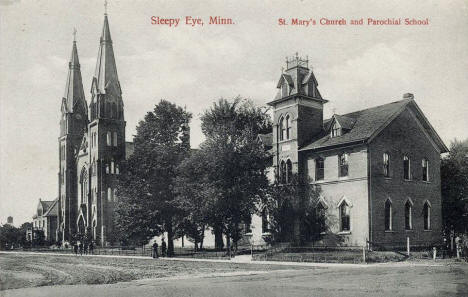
[
  {"x": 105, "y": 80},
  {"x": 74, "y": 98}
]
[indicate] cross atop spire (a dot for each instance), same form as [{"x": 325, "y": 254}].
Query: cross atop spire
[
  {"x": 74, "y": 34},
  {"x": 105, "y": 7}
]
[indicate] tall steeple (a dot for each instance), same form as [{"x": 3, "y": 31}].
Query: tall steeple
[
  {"x": 106, "y": 80},
  {"x": 74, "y": 98}
]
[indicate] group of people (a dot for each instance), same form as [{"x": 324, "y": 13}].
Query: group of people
[
  {"x": 83, "y": 247},
  {"x": 163, "y": 249}
]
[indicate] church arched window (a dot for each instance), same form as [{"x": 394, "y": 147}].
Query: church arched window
[
  {"x": 114, "y": 110},
  {"x": 112, "y": 167},
  {"x": 288, "y": 127},
  {"x": 108, "y": 110},
  {"x": 109, "y": 138},
  {"x": 288, "y": 171},
  {"x": 109, "y": 194},
  {"x": 84, "y": 185},
  {"x": 115, "y": 138},
  {"x": 117, "y": 169},
  {"x": 107, "y": 168}
]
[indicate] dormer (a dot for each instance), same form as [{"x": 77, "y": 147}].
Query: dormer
[{"x": 340, "y": 125}]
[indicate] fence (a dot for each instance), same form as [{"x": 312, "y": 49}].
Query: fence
[{"x": 318, "y": 254}]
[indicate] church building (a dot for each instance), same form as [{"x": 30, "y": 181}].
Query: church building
[
  {"x": 91, "y": 146},
  {"x": 378, "y": 168}
]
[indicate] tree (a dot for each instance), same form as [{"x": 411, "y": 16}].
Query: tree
[
  {"x": 194, "y": 190},
  {"x": 454, "y": 184},
  {"x": 10, "y": 236},
  {"x": 234, "y": 164},
  {"x": 296, "y": 212},
  {"x": 146, "y": 188}
]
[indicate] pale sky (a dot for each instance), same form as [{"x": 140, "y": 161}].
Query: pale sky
[{"x": 356, "y": 67}]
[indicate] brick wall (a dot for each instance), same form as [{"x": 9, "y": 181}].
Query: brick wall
[{"x": 404, "y": 137}]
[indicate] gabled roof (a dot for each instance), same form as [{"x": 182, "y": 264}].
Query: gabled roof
[
  {"x": 344, "y": 121},
  {"x": 288, "y": 79},
  {"x": 368, "y": 123},
  {"x": 46, "y": 204},
  {"x": 52, "y": 211}
]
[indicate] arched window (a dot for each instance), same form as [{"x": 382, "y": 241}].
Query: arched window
[
  {"x": 388, "y": 215},
  {"x": 288, "y": 171},
  {"x": 115, "y": 138},
  {"x": 109, "y": 138},
  {"x": 117, "y": 169},
  {"x": 114, "y": 194},
  {"x": 386, "y": 165},
  {"x": 282, "y": 128},
  {"x": 425, "y": 170},
  {"x": 93, "y": 167},
  {"x": 288, "y": 127},
  {"x": 109, "y": 194},
  {"x": 345, "y": 223},
  {"x": 107, "y": 168},
  {"x": 108, "y": 110},
  {"x": 427, "y": 215},
  {"x": 283, "y": 172},
  {"x": 408, "y": 215},
  {"x": 406, "y": 168},
  {"x": 112, "y": 171},
  {"x": 84, "y": 186},
  {"x": 319, "y": 169},
  {"x": 114, "y": 111}
]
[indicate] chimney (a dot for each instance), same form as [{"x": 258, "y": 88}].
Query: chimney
[{"x": 408, "y": 96}]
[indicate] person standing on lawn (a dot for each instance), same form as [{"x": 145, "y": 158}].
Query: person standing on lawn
[
  {"x": 80, "y": 247},
  {"x": 75, "y": 248},
  {"x": 163, "y": 248},
  {"x": 155, "y": 250}
]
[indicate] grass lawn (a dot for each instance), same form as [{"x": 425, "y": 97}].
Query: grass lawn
[{"x": 24, "y": 270}]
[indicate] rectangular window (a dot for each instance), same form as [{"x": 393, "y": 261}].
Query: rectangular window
[
  {"x": 343, "y": 165},
  {"x": 386, "y": 165},
  {"x": 319, "y": 169},
  {"x": 425, "y": 170}
]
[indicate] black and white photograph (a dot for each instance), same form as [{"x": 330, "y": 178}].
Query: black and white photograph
[{"x": 233, "y": 148}]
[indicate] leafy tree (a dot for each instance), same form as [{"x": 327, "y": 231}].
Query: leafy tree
[
  {"x": 295, "y": 212},
  {"x": 146, "y": 188},
  {"x": 234, "y": 164},
  {"x": 10, "y": 236},
  {"x": 194, "y": 190},
  {"x": 454, "y": 183}
]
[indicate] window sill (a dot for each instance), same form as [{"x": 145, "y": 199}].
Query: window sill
[
  {"x": 387, "y": 177},
  {"x": 409, "y": 230},
  {"x": 427, "y": 230},
  {"x": 344, "y": 233},
  {"x": 426, "y": 182},
  {"x": 407, "y": 180},
  {"x": 389, "y": 231}
]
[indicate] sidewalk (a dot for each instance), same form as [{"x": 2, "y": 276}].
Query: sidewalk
[{"x": 243, "y": 259}]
